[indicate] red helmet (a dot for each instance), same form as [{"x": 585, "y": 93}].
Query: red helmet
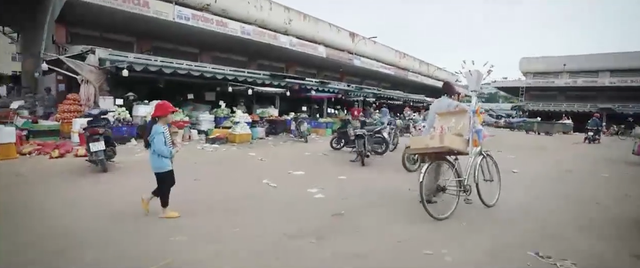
[
  {"x": 596, "y": 115},
  {"x": 162, "y": 109}
]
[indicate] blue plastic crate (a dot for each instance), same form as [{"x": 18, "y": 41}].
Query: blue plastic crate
[
  {"x": 220, "y": 120},
  {"x": 126, "y": 131},
  {"x": 329, "y": 125}
]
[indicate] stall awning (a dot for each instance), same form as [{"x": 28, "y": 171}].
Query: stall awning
[{"x": 146, "y": 63}]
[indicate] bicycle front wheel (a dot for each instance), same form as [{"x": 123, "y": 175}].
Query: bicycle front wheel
[
  {"x": 487, "y": 172},
  {"x": 440, "y": 179}
]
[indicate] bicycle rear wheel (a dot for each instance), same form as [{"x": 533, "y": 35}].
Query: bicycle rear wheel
[
  {"x": 623, "y": 135},
  {"x": 433, "y": 186},
  {"x": 488, "y": 168}
]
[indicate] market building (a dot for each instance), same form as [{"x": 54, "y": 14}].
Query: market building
[
  {"x": 117, "y": 52},
  {"x": 182, "y": 31},
  {"x": 578, "y": 86}
]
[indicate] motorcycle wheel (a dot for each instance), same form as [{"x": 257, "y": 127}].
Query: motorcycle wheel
[
  {"x": 410, "y": 163},
  {"x": 384, "y": 146},
  {"x": 394, "y": 143},
  {"x": 102, "y": 163},
  {"x": 337, "y": 143}
]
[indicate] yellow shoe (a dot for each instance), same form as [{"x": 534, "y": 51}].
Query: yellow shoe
[
  {"x": 145, "y": 205},
  {"x": 170, "y": 215}
]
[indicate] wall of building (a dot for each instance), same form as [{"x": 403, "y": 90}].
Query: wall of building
[
  {"x": 581, "y": 63},
  {"x": 9, "y": 58},
  {"x": 582, "y": 96},
  {"x": 285, "y": 20}
]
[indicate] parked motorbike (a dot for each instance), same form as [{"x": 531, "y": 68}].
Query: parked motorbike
[
  {"x": 345, "y": 138},
  {"x": 592, "y": 135},
  {"x": 362, "y": 145},
  {"x": 301, "y": 129},
  {"x": 394, "y": 136},
  {"x": 406, "y": 128},
  {"x": 341, "y": 138},
  {"x": 100, "y": 146}
]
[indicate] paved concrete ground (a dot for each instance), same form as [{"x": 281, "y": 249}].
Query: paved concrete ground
[{"x": 568, "y": 200}]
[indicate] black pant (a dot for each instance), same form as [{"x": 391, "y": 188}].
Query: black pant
[{"x": 166, "y": 180}]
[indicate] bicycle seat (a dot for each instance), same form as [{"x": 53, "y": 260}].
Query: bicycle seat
[{"x": 360, "y": 131}]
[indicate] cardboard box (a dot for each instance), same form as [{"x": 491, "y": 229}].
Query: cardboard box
[
  {"x": 438, "y": 143},
  {"x": 448, "y": 136},
  {"x": 453, "y": 122}
]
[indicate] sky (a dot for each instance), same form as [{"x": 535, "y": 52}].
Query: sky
[{"x": 445, "y": 32}]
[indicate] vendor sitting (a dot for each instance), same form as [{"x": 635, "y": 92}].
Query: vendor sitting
[{"x": 241, "y": 107}]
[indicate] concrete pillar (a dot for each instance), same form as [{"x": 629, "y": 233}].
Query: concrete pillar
[
  {"x": 36, "y": 27},
  {"x": 290, "y": 68}
]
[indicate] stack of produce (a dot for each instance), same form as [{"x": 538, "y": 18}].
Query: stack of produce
[
  {"x": 69, "y": 109},
  {"x": 122, "y": 116},
  {"x": 241, "y": 119},
  {"x": 180, "y": 120}
]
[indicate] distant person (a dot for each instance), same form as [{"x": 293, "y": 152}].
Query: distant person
[
  {"x": 49, "y": 104},
  {"x": 355, "y": 112},
  {"x": 384, "y": 114},
  {"x": 368, "y": 112},
  {"x": 596, "y": 124},
  {"x": 630, "y": 125}
]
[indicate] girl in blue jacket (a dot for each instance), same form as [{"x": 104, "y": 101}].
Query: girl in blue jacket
[{"x": 161, "y": 152}]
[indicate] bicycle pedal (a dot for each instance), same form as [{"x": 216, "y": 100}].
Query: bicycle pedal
[{"x": 468, "y": 201}]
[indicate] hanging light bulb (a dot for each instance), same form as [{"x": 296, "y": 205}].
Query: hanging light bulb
[
  {"x": 44, "y": 67},
  {"x": 313, "y": 92},
  {"x": 288, "y": 93},
  {"x": 125, "y": 73},
  {"x": 250, "y": 91},
  {"x": 230, "y": 89}
]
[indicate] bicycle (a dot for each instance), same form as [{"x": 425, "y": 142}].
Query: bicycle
[
  {"x": 624, "y": 134},
  {"x": 461, "y": 184}
]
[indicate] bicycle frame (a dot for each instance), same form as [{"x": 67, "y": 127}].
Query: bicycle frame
[{"x": 475, "y": 155}]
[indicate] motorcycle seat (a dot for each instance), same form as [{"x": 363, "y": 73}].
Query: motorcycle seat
[{"x": 372, "y": 128}]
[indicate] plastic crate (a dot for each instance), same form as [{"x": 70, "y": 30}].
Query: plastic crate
[
  {"x": 220, "y": 120},
  {"x": 239, "y": 138},
  {"x": 65, "y": 130},
  {"x": 322, "y": 132},
  {"x": 8, "y": 151},
  {"x": 43, "y": 135},
  {"x": 329, "y": 125},
  {"x": 126, "y": 131},
  {"x": 45, "y": 127}
]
